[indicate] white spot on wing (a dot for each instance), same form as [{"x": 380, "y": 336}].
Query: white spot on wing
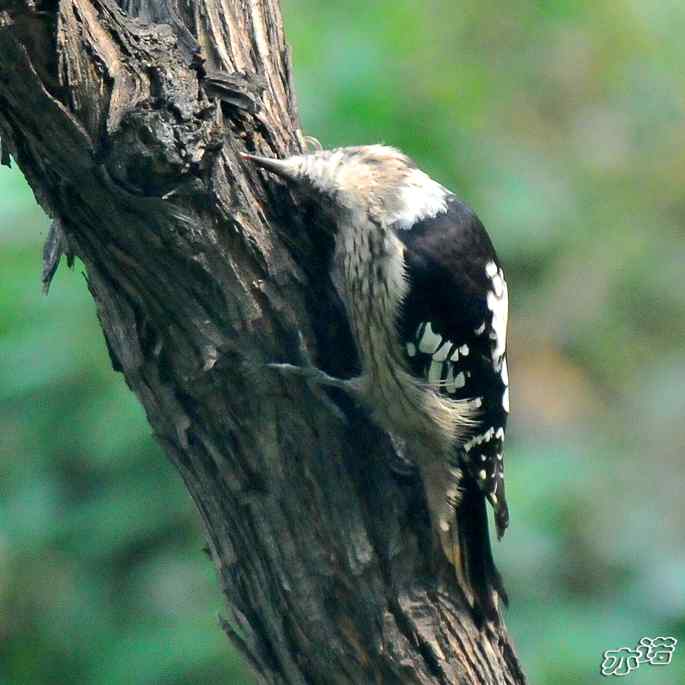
[
  {"x": 478, "y": 439},
  {"x": 482, "y": 475},
  {"x": 497, "y": 285},
  {"x": 505, "y": 373},
  {"x": 429, "y": 340},
  {"x": 449, "y": 381},
  {"x": 464, "y": 350},
  {"x": 490, "y": 269},
  {"x": 499, "y": 306},
  {"x": 441, "y": 353},
  {"x": 505, "y": 400},
  {"x": 434, "y": 372},
  {"x": 411, "y": 349},
  {"x": 455, "y": 355},
  {"x": 480, "y": 329},
  {"x": 459, "y": 380}
]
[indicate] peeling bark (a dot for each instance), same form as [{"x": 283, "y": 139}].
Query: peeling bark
[{"x": 127, "y": 121}]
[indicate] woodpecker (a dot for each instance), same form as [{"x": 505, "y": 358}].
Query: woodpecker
[{"x": 427, "y": 302}]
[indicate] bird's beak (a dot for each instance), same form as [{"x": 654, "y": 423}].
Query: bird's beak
[{"x": 286, "y": 168}]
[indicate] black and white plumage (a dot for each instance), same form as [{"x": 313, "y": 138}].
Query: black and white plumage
[
  {"x": 453, "y": 324},
  {"x": 428, "y": 305}
]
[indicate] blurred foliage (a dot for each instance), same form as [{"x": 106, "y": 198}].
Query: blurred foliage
[
  {"x": 102, "y": 577},
  {"x": 563, "y": 125}
]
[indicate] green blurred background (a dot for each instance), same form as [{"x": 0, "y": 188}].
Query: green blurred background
[{"x": 562, "y": 124}]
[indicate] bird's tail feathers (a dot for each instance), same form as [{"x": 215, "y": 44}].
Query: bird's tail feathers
[
  {"x": 462, "y": 529},
  {"x": 472, "y": 537}
]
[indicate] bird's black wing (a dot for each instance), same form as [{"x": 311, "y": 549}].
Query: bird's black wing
[{"x": 453, "y": 328}]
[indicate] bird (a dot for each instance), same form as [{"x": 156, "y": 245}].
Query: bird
[{"x": 427, "y": 301}]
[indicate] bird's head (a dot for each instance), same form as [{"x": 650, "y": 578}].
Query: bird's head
[{"x": 376, "y": 180}]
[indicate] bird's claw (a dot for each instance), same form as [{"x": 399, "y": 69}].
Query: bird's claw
[{"x": 315, "y": 378}]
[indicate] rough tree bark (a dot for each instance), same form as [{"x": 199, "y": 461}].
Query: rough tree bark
[{"x": 127, "y": 121}]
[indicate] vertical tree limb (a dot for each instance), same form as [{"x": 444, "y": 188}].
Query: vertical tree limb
[{"x": 127, "y": 121}]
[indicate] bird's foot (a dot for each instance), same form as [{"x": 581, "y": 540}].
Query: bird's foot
[{"x": 316, "y": 378}]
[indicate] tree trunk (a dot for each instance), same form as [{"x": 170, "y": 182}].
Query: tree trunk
[{"x": 128, "y": 130}]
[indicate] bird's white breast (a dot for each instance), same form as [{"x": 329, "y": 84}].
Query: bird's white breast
[{"x": 369, "y": 273}]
